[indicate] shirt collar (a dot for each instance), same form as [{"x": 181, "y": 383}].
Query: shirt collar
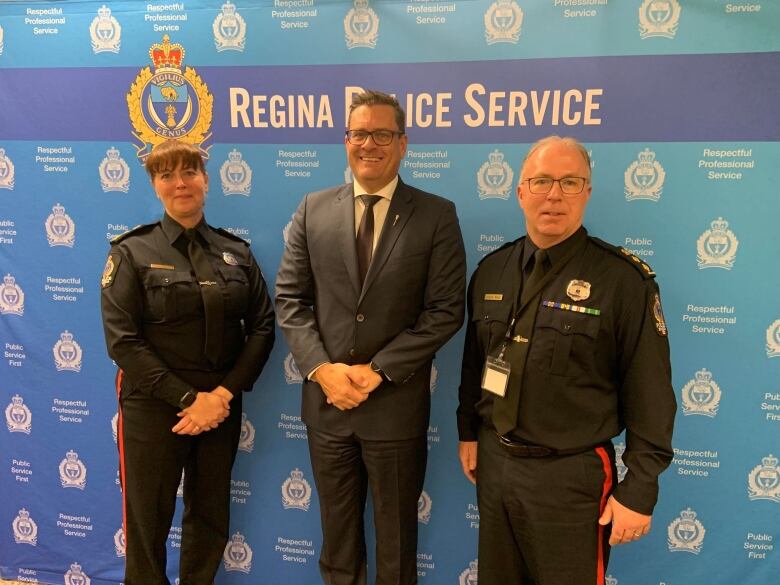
[
  {"x": 173, "y": 229},
  {"x": 556, "y": 252},
  {"x": 386, "y": 191}
]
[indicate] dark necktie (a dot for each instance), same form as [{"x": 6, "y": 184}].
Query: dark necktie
[
  {"x": 213, "y": 303},
  {"x": 505, "y": 409},
  {"x": 365, "y": 235}
]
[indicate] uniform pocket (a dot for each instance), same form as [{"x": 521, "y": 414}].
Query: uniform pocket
[
  {"x": 492, "y": 320},
  {"x": 564, "y": 341},
  {"x": 165, "y": 293}
]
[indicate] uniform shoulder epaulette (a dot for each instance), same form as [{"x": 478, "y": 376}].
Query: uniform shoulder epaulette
[
  {"x": 497, "y": 250},
  {"x": 641, "y": 266},
  {"x": 232, "y": 236},
  {"x": 139, "y": 229}
]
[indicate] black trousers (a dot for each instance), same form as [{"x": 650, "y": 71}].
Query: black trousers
[
  {"x": 344, "y": 468},
  {"x": 539, "y": 516},
  {"x": 151, "y": 460}
]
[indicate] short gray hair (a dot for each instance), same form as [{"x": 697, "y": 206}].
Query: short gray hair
[{"x": 567, "y": 140}]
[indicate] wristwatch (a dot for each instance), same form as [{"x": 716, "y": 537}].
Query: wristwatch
[{"x": 187, "y": 400}]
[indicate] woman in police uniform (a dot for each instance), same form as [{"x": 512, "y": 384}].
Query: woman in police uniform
[{"x": 189, "y": 322}]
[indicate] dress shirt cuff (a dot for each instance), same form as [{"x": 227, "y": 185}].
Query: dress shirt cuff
[
  {"x": 637, "y": 497},
  {"x": 310, "y": 375},
  {"x": 468, "y": 429}
]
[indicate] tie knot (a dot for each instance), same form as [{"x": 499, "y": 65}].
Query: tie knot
[
  {"x": 370, "y": 200},
  {"x": 540, "y": 256},
  {"x": 190, "y": 234}
]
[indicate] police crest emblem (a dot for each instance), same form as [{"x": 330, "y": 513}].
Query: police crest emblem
[
  {"x": 578, "y": 290},
  {"x": 169, "y": 104},
  {"x": 717, "y": 246},
  {"x": 659, "y": 18},
  {"x": 11, "y": 297},
  {"x": 773, "y": 340},
  {"x": 120, "y": 546},
  {"x": 424, "y": 508},
  {"x": 73, "y": 473},
  {"x": 229, "y": 259},
  {"x": 246, "y": 440},
  {"x": 494, "y": 178},
  {"x": 236, "y": 175},
  {"x": 114, "y": 426},
  {"x": 658, "y": 315},
  {"x": 75, "y": 576},
  {"x": 686, "y": 533},
  {"x": 361, "y": 26},
  {"x": 229, "y": 29},
  {"x": 291, "y": 373},
  {"x": 114, "y": 172},
  {"x": 18, "y": 417},
  {"x": 60, "y": 229},
  {"x": 67, "y": 353},
  {"x": 25, "y": 529},
  {"x": 296, "y": 492},
  {"x": 238, "y": 554},
  {"x": 105, "y": 32},
  {"x": 503, "y": 21},
  {"x": 701, "y": 395},
  {"x": 764, "y": 480},
  {"x": 469, "y": 576},
  {"x": 610, "y": 580},
  {"x": 6, "y": 170},
  {"x": 644, "y": 178}
]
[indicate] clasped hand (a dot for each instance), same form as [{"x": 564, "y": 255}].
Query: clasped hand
[
  {"x": 206, "y": 413},
  {"x": 347, "y": 386}
]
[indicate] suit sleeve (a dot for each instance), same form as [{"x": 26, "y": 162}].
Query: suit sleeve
[
  {"x": 470, "y": 390},
  {"x": 295, "y": 298},
  {"x": 122, "y": 309},
  {"x": 259, "y": 330},
  {"x": 647, "y": 401},
  {"x": 443, "y": 305}
]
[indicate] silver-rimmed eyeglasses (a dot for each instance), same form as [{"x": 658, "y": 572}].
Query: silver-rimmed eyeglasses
[
  {"x": 570, "y": 186},
  {"x": 380, "y": 137}
]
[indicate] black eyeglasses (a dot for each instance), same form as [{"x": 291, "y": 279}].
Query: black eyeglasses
[
  {"x": 569, "y": 185},
  {"x": 380, "y": 137}
]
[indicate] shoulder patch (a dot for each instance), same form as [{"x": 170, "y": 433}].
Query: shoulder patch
[
  {"x": 229, "y": 235},
  {"x": 139, "y": 229},
  {"x": 497, "y": 250},
  {"x": 642, "y": 267},
  {"x": 112, "y": 263}
]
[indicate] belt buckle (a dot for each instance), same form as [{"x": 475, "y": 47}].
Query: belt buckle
[{"x": 523, "y": 450}]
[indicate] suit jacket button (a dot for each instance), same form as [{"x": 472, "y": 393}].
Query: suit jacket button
[
  {"x": 360, "y": 318},
  {"x": 351, "y": 353}
]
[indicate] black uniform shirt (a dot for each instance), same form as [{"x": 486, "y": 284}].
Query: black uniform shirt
[
  {"x": 595, "y": 365},
  {"x": 153, "y": 314}
]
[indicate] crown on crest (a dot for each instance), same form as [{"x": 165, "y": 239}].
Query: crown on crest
[{"x": 167, "y": 55}]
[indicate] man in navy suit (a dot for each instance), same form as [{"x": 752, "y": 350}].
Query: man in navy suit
[{"x": 370, "y": 286}]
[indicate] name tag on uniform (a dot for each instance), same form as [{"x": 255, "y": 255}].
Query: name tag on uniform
[
  {"x": 495, "y": 376},
  {"x": 494, "y": 297}
]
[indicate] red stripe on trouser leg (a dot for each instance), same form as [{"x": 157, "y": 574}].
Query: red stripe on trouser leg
[
  {"x": 121, "y": 444},
  {"x": 605, "y": 491}
]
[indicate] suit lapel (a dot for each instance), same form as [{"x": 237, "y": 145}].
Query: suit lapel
[
  {"x": 399, "y": 212},
  {"x": 345, "y": 213}
]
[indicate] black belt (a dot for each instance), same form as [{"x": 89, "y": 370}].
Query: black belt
[{"x": 518, "y": 449}]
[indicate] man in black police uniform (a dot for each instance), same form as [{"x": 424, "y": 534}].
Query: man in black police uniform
[
  {"x": 566, "y": 346},
  {"x": 189, "y": 322}
]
